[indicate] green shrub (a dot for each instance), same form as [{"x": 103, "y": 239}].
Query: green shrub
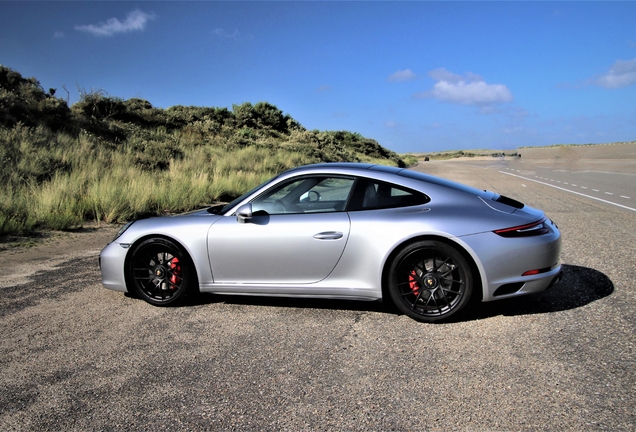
[{"x": 112, "y": 160}]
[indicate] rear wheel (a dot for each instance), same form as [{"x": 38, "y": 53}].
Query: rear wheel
[
  {"x": 430, "y": 281},
  {"x": 160, "y": 272}
]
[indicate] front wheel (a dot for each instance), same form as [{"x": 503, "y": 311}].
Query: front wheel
[
  {"x": 160, "y": 272},
  {"x": 430, "y": 281}
]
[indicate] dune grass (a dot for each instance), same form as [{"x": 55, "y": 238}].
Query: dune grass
[
  {"x": 114, "y": 160},
  {"x": 57, "y": 181},
  {"x": 109, "y": 186}
]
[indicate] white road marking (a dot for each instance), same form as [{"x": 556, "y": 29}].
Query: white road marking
[
  {"x": 626, "y": 197},
  {"x": 571, "y": 191}
]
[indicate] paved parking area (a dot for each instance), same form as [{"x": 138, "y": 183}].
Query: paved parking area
[{"x": 75, "y": 356}]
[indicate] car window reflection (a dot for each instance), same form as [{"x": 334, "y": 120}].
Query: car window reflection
[{"x": 306, "y": 195}]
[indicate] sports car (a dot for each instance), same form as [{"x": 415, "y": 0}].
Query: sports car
[{"x": 344, "y": 231}]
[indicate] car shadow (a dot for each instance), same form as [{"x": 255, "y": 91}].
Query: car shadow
[
  {"x": 289, "y": 302},
  {"x": 578, "y": 287}
]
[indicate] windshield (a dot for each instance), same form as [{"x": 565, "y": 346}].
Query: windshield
[{"x": 227, "y": 207}]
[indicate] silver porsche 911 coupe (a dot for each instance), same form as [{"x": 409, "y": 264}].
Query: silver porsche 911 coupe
[{"x": 344, "y": 231}]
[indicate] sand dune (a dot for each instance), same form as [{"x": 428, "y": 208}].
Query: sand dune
[{"x": 616, "y": 157}]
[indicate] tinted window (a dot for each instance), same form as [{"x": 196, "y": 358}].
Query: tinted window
[{"x": 372, "y": 194}]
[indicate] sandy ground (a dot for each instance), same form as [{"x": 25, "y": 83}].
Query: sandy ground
[
  {"x": 616, "y": 157},
  {"x": 77, "y": 357},
  {"x": 22, "y": 257}
]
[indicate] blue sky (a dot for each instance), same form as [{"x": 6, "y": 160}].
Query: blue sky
[{"x": 415, "y": 76}]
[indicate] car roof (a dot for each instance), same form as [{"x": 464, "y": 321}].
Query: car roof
[
  {"x": 403, "y": 172},
  {"x": 347, "y": 165}
]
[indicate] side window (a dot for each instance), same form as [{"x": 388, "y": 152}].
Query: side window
[
  {"x": 306, "y": 195},
  {"x": 373, "y": 195}
]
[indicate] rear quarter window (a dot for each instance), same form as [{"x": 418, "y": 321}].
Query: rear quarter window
[{"x": 373, "y": 195}]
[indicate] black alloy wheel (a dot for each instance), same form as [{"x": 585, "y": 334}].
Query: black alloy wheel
[
  {"x": 160, "y": 272},
  {"x": 430, "y": 281}
]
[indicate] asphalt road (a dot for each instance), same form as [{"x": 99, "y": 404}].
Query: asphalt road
[
  {"x": 616, "y": 188},
  {"x": 75, "y": 356}
]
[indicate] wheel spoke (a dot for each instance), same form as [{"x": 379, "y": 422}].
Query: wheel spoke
[
  {"x": 436, "y": 305},
  {"x": 438, "y": 267},
  {"x": 443, "y": 275},
  {"x": 418, "y": 297},
  {"x": 460, "y": 282},
  {"x": 420, "y": 266},
  {"x": 448, "y": 290},
  {"x": 448, "y": 304},
  {"x": 150, "y": 286}
]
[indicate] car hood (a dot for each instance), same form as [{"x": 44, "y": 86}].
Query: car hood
[{"x": 194, "y": 213}]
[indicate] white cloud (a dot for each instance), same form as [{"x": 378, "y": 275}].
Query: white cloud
[
  {"x": 222, "y": 33},
  {"x": 621, "y": 74},
  {"x": 58, "y": 35},
  {"x": 234, "y": 35},
  {"x": 513, "y": 130},
  {"x": 470, "y": 89},
  {"x": 471, "y": 93},
  {"x": 441, "y": 74},
  {"x": 135, "y": 21},
  {"x": 488, "y": 109},
  {"x": 402, "y": 76}
]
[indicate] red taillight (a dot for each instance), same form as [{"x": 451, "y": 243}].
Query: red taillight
[
  {"x": 537, "y": 271},
  {"x": 532, "y": 229}
]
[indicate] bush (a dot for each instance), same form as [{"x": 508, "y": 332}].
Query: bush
[
  {"x": 22, "y": 100},
  {"x": 109, "y": 159}
]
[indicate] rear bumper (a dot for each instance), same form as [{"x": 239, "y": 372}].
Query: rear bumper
[
  {"x": 506, "y": 260},
  {"x": 529, "y": 286}
]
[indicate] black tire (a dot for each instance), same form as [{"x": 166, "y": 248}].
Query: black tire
[
  {"x": 160, "y": 272},
  {"x": 430, "y": 281}
]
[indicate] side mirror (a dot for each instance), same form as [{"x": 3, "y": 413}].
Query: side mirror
[{"x": 244, "y": 213}]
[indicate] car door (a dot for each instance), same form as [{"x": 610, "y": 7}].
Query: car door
[{"x": 295, "y": 234}]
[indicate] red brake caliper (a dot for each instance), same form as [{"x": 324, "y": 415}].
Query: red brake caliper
[
  {"x": 176, "y": 272},
  {"x": 413, "y": 284}
]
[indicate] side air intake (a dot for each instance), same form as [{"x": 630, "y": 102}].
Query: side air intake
[{"x": 508, "y": 289}]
